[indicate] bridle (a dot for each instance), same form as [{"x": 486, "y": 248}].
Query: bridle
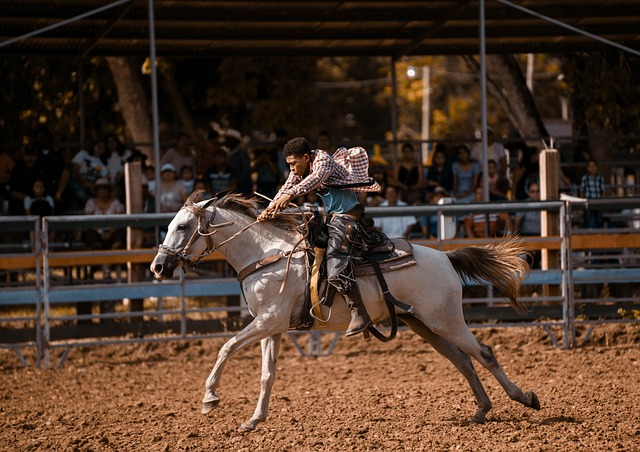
[{"x": 202, "y": 230}]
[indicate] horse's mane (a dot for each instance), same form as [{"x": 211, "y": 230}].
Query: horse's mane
[{"x": 241, "y": 204}]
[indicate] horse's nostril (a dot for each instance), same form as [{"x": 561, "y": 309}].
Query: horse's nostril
[{"x": 157, "y": 269}]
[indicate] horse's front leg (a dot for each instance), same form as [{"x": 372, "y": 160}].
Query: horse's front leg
[
  {"x": 261, "y": 327},
  {"x": 270, "y": 352}
]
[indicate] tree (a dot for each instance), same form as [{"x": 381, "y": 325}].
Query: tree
[
  {"x": 133, "y": 100},
  {"x": 604, "y": 88}
]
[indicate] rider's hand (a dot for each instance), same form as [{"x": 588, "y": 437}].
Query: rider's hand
[
  {"x": 266, "y": 214},
  {"x": 281, "y": 203},
  {"x": 270, "y": 212}
]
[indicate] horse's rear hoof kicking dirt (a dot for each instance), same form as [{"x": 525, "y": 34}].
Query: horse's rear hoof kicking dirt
[{"x": 432, "y": 286}]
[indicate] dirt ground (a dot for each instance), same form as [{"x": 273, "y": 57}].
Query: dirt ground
[{"x": 366, "y": 396}]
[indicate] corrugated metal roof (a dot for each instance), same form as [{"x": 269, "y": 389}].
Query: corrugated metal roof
[{"x": 314, "y": 28}]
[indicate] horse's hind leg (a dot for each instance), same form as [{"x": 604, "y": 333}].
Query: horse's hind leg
[
  {"x": 469, "y": 344},
  {"x": 460, "y": 360},
  {"x": 270, "y": 350}
]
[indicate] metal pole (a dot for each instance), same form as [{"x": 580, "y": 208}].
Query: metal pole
[
  {"x": 394, "y": 112},
  {"x": 154, "y": 102},
  {"x": 39, "y": 325},
  {"x": 83, "y": 112},
  {"x": 426, "y": 112},
  {"x": 483, "y": 103},
  {"x": 569, "y": 294},
  {"x": 47, "y": 311}
]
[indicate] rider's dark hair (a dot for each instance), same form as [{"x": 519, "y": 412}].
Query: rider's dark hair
[{"x": 297, "y": 147}]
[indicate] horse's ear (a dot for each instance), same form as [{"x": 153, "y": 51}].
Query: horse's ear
[
  {"x": 208, "y": 203},
  {"x": 195, "y": 197}
]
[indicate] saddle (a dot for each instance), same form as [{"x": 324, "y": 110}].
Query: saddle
[{"x": 387, "y": 255}]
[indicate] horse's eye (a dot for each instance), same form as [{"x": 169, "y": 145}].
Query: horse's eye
[{"x": 182, "y": 227}]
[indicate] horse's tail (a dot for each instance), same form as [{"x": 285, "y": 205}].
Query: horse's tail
[{"x": 501, "y": 264}]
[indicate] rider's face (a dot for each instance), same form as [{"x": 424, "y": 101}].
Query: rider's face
[{"x": 299, "y": 165}]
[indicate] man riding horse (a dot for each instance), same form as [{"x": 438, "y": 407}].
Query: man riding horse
[{"x": 336, "y": 180}]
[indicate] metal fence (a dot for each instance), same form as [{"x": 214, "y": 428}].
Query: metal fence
[{"x": 52, "y": 279}]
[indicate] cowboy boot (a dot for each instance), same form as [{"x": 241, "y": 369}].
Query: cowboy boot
[{"x": 360, "y": 319}]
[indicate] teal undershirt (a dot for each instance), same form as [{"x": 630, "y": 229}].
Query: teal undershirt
[{"x": 338, "y": 200}]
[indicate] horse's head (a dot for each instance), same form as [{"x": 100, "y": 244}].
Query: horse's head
[{"x": 187, "y": 241}]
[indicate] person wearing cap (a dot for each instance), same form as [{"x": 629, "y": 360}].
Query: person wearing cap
[
  {"x": 239, "y": 163},
  {"x": 336, "y": 179},
  {"x": 172, "y": 193}
]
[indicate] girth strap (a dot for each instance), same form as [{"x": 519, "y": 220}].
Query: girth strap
[{"x": 242, "y": 274}]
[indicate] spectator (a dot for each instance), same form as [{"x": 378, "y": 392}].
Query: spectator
[
  {"x": 266, "y": 174},
  {"x": 208, "y": 152},
  {"x": 172, "y": 193},
  {"x": 103, "y": 238},
  {"x": 180, "y": 155},
  {"x": 104, "y": 203},
  {"x": 187, "y": 179},
  {"x": 325, "y": 143},
  {"x": 465, "y": 176},
  {"x": 283, "y": 168},
  {"x": 202, "y": 185},
  {"x": 239, "y": 163},
  {"x": 527, "y": 223},
  {"x": 399, "y": 226},
  {"x": 6, "y": 166},
  {"x": 429, "y": 223},
  {"x": 527, "y": 172},
  {"x": 219, "y": 175},
  {"x": 379, "y": 174},
  {"x": 52, "y": 168},
  {"x": 38, "y": 202},
  {"x": 23, "y": 176},
  {"x": 498, "y": 185},
  {"x": 592, "y": 187},
  {"x": 479, "y": 224},
  {"x": 439, "y": 173},
  {"x": 408, "y": 174},
  {"x": 117, "y": 155},
  {"x": 86, "y": 167},
  {"x": 495, "y": 151}
]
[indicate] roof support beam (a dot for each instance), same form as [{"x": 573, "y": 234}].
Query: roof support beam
[
  {"x": 431, "y": 30},
  {"x": 63, "y": 23},
  {"x": 569, "y": 27},
  {"x": 119, "y": 14}
]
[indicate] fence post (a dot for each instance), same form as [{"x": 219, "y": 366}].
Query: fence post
[
  {"x": 39, "y": 238},
  {"x": 550, "y": 223},
  {"x": 46, "y": 283},
  {"x": 566, "y": 265}
]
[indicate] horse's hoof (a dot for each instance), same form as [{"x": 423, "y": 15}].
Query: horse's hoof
[
  {"x": 208, "y": 407},
  {"x": 535, "y": 402},
  {"x": 245, "y": 428},
  {"x": 479, "y": 419}
]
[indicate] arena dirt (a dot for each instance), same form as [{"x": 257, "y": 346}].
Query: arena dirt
[{"x": 366, "y": 396}]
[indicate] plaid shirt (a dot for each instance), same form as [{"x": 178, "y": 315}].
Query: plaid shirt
[
  {"x": 592, "y": 186},
  {"x": 347, "y": 168}
]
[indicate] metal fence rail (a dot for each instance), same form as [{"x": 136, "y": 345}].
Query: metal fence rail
[{"x": 47, "y": 293}]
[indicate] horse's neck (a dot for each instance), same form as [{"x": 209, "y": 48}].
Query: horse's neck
[{"x": 253, "y": 244}]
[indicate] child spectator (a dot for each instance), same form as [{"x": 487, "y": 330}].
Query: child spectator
[
  {"x": 186, "y": 178},
  {"x": 39, "y": 203},
  {"x": 479, "y": 224}
]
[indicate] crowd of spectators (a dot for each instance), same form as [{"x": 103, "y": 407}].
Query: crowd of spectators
[{"x": 38, "y": 180}]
